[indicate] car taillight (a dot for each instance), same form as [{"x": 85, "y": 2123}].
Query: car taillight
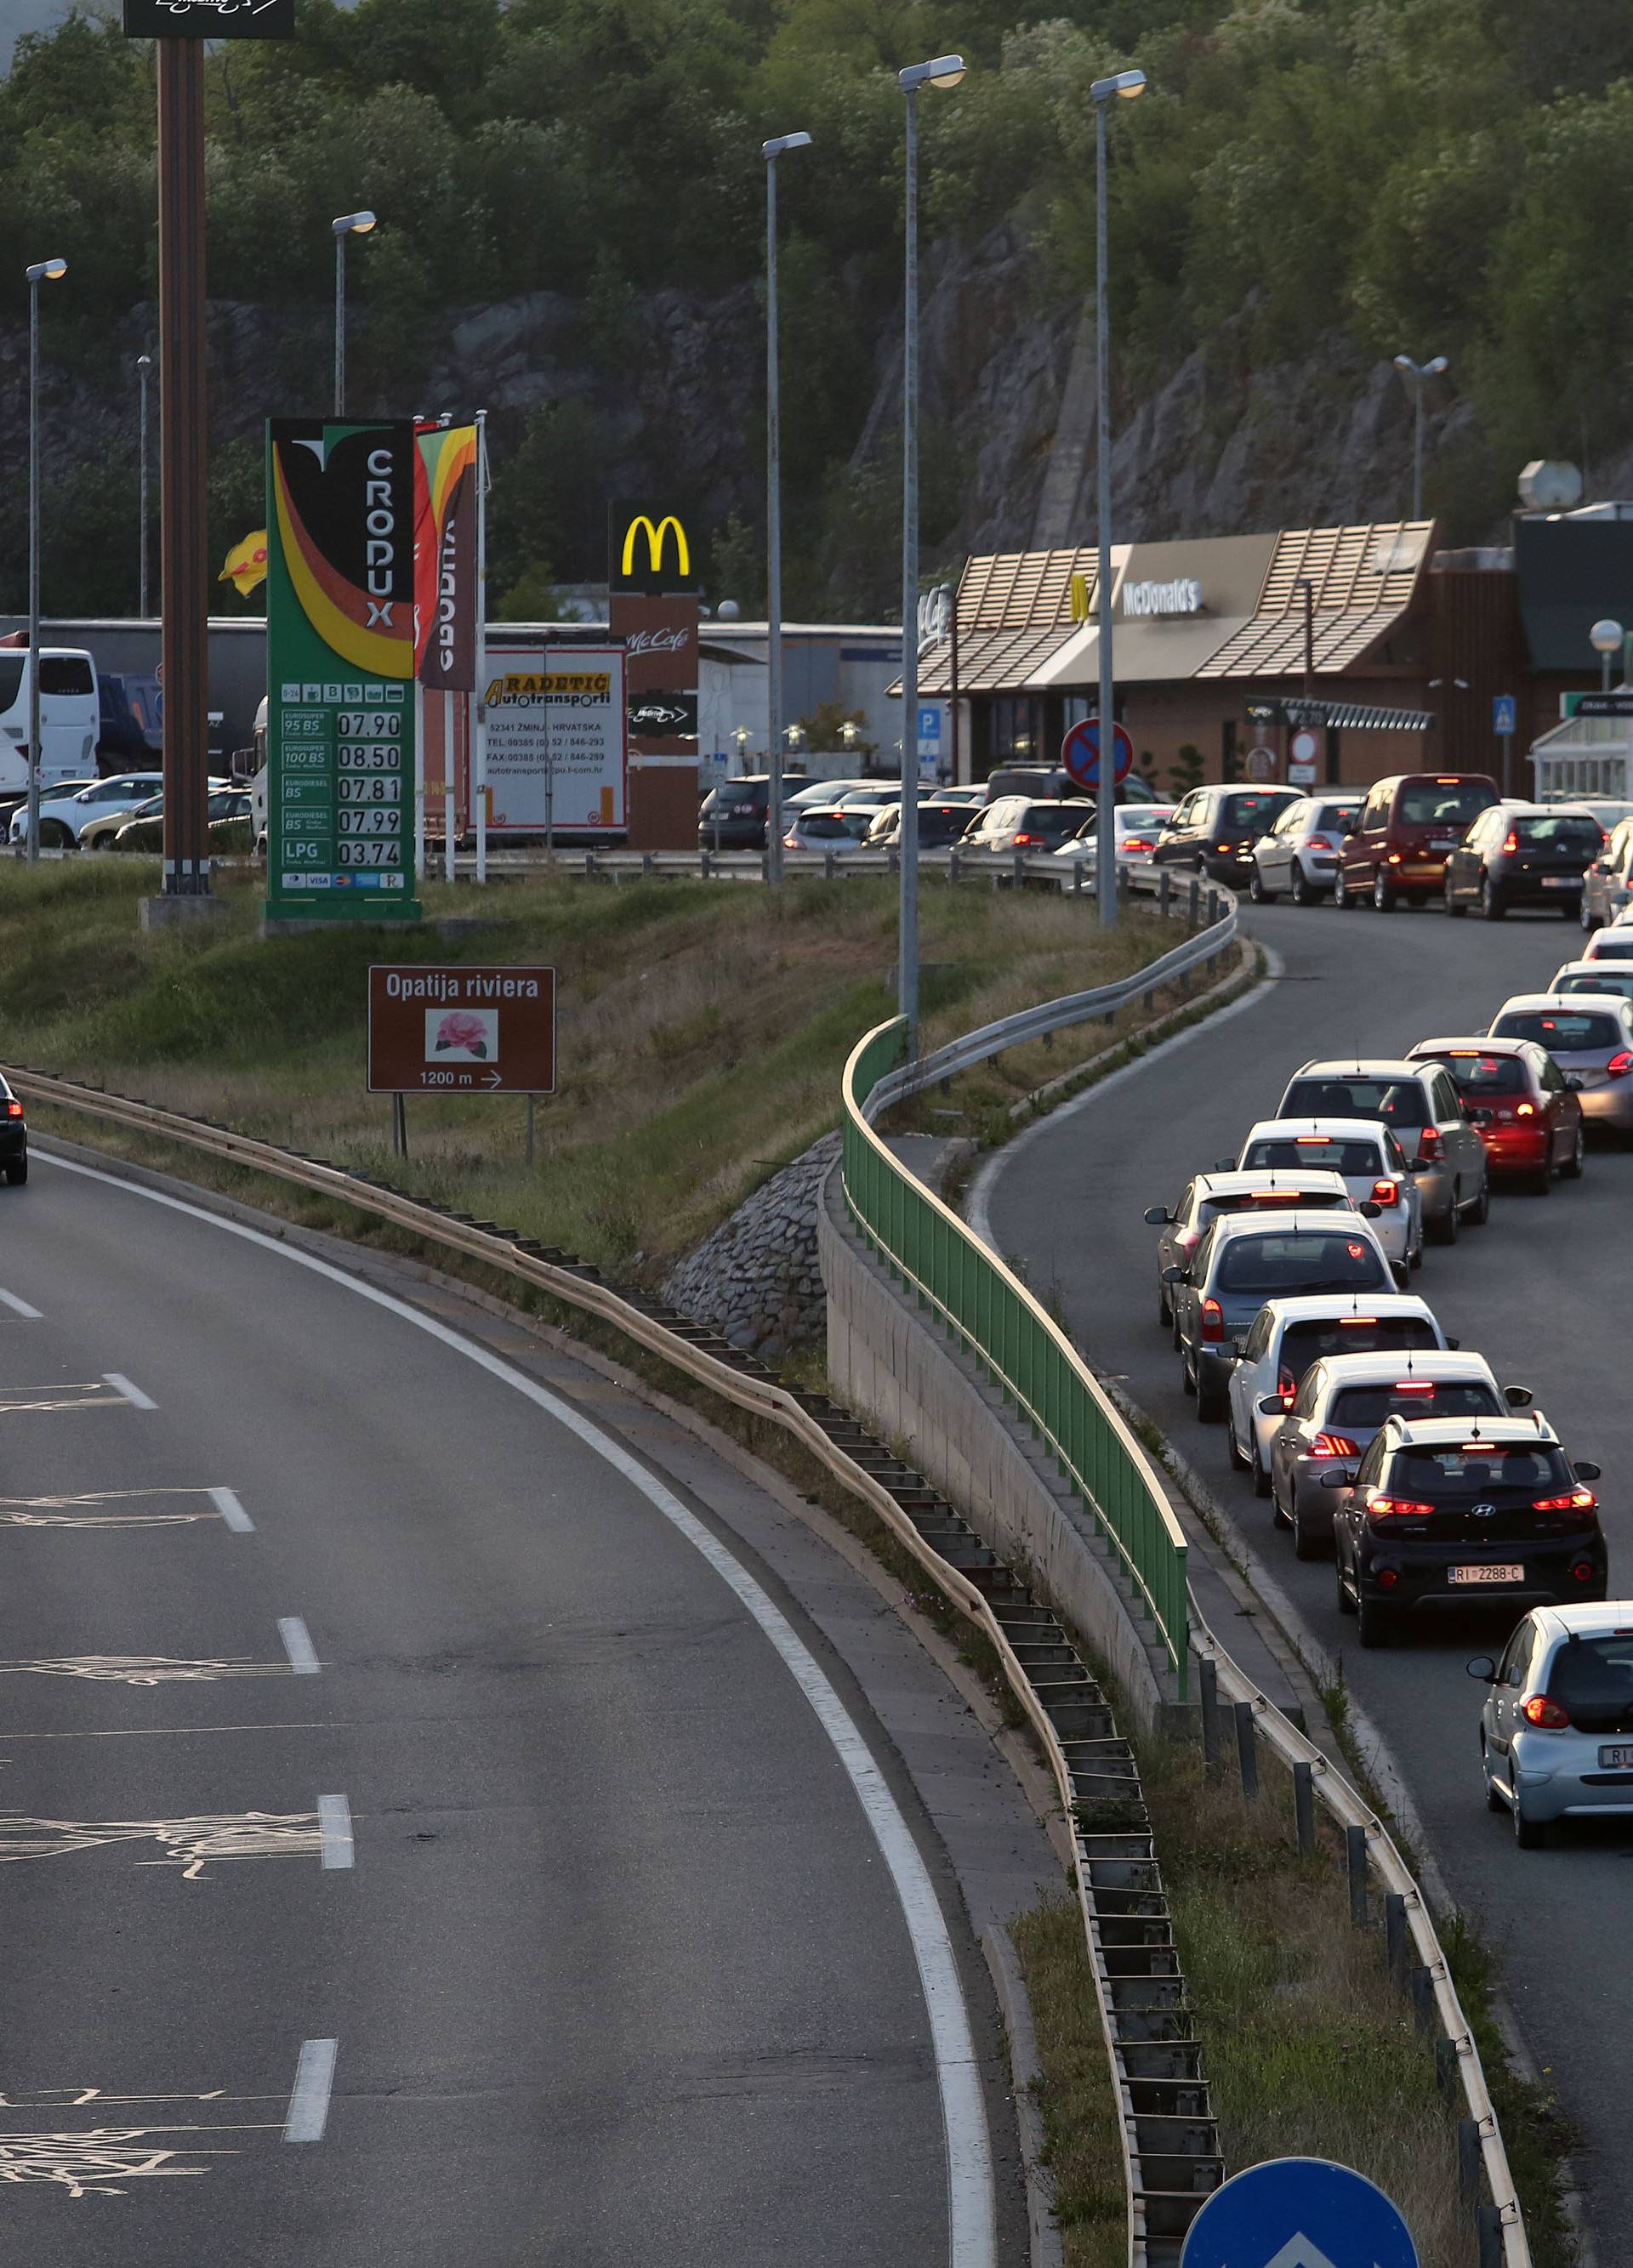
[
  {"x": 1213, "y": 1320},
  {"x": 1582, "y": 1500},
  {"x": 1394, "y": 860},
  {"x": 790, "y": 841},
  {"x": 1524, "y": 1110},
  {"x": 1318, "y": 843},
  {"x": 1334, "y": 1444},
  {"x": 1387, "y": 1193},
  {"x": 1021, "y": 839},
  {"x": 1138, "y": 843},
  {"x": 14, "y": 1109},
  {"x": 1429, "y": 1143},
  {"x": 1414, "y": 1386},
  {"x": 1510, "y": 844},
  {"x": 1620, "y": 1064},
  {"x": 1540, "y": 1709},
  {"x": 1223, "y": 847},
  {"x": 1398, "y": 1507}
]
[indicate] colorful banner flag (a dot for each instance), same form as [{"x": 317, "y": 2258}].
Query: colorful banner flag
[
  {"x": 246, "y": 563},
  {"x": 445, "y": 558}
]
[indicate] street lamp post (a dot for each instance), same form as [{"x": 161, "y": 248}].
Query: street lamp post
[
  {"x": 144, "y": 362},
  {"x": 772, "y": 150},
  {"x": 1416, "y": 375},
  {"x": 42, "y": 271},
  {"x": 1605, "y": 637},
  {"x": 941, "y": 70},
  {"x": 1124, "y": 86},
  {"x": 356, "y": 224}
]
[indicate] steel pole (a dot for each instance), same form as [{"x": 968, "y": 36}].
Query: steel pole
[
  {"x": 141, "y": 370},
  {"x": 33, "y": 570},
  {"x": 774, "y": 544},
  {"x": 907, "y": 927},
  {"x": 1106, "y": 794},
  {"x": 183, "y": 495},
  {"x": 340, "y": 322},
  {"x": 1417, "y": 450}
]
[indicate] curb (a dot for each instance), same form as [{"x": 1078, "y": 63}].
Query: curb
[{"x": 1026, "y": 2069}]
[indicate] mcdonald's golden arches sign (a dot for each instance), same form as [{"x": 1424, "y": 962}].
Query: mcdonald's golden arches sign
[{"x": 649, "y": 549}]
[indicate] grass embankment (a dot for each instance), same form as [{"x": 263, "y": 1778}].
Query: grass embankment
[
  {"x": 702, "y": 1029},
  {"x": 1309, "y": 2047}
]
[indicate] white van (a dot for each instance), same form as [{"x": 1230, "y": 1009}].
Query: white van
[{"x": 70, "y": 717}]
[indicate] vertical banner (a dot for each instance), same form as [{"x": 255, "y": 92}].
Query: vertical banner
[
  {"x": 340, "y": 670},
  {"x": 653, "y": 607},
  {"x": 445, "y": 558}
]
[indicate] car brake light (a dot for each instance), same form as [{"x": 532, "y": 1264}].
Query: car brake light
[
  {"x": 1137, "y": 843},
  {"x": 1582, "y": 1500},
  {"x": 1398, "y": 1507},
  {"x": 1351, "y": 1322},
  {"x": 790, "y": 841},
  {"x": 1334, "y": 1444},
  {"x": 1356, "y": 1251},
  {"x": 1020, "y": 839},
  {"x": 1585, "y": 1571},
  {"x": 1313, "y": 1141},
  {"x": 14, "y": 1110},
  {"x": 1621, "y": 1063},
  {"x": 1511, "y": 844},
  {"x": 1213, "y": 1320},
  {"x": 1540, "y": 1709},
  {"x": 1393, "y": 858},
  {"x": 1387, "y": 1193},
  {"x": 1524, "y": 1110},
  {"x": 1429, "y": 1145},
  {"x": 1318, "y": 843},
  {"x": 1413, "y": 1386},
  {"x": 1223, "y": 847}
]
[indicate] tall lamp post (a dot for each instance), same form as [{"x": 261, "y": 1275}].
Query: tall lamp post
[
  {"x": 1606, "y": 640},
  {"x": 944, "y": 71},
  {"x": 1123, "y": 87},
  {"x": 1416, "y": 376},
  {"x": 772, "y": 150},
  {"x": 42, "y": 271},
  {"x": 356, "y": 224},
  {"x": 144, "y": 362}
]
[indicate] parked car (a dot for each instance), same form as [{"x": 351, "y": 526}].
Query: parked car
[
  {"x": 1519, "y": 1102},
  {"x": 1607, "y": 882},
  {"x": 98, "y": 834},
  {"x": 809, "y": 793},
  {"x": 1406, "y": 828},
  {"x": 13, "y": 1136},
  {"x": 1245, "y": 1259},
  {"x": 1136, "y": 825},
  {"x": 733, "y": 817},
  {"x": 1046, "y": 784},
  {"x": 1419, "y": 1103},
  {"x": 1287, "y": 1336},
  {"x": 940, "y": 823},
  {"x": 70, "y": 717},
  {"x": 1557, "y": 1727},
  {"x": 1300, "y": 853},
  {"x": 1329, "y": 1421},
  {"x": 1528, "y": 854},
  {"x": 1591, "y": 1042},
  {"x": 1446, "y": 1513},
  {"x": 144, "y": 829},
  {"x": 1016, "y": 823},
  {"x": 1207, "y": 1196},
  {"x": 825, "y": 827},
  {"x": 1213, "y": 829},
  {"x": 1370, "y": 1159},
  {"x": 1593, "y": 977},
  {"x": 63, "y": 817}
]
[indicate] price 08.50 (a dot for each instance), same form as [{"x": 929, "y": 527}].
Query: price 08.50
[{"x": 368, "y": 756}]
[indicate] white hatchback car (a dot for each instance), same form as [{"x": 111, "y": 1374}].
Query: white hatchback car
[
  {"x": 1556, "y": 1731},
  {"x": 1288, "y": 1336},
  {"x": 1369, "y": 1158},
  {"x": 1613, "y": 944},
  {"x": 62, "y": 817}
]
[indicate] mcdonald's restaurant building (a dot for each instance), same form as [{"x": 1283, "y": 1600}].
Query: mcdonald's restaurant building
[{"x": 1404, "y": 646}]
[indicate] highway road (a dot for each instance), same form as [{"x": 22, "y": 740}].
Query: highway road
[
  {"x": 427, "y": 1834},
  {"x": 1541, "y": 1291}
]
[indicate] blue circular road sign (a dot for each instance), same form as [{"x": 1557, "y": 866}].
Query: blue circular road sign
[
  {"x": 1080, "y": 752},
  {"x": 1298, "y": 2213}
]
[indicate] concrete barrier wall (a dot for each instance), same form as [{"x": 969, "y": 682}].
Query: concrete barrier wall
[{"x": 895, "y": 1366}]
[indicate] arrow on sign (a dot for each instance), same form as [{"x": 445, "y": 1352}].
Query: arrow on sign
[
  {"x": 1299, "y": 2252},
  {"x": 496, "y": 1077}
]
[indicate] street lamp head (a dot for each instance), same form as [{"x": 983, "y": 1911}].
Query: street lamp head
[
  {"x": 775, "y": 147},
  {"x": 144, "y": 362},
  {"x": 1437, "y": 368},
  {"x": 941, "y": 70},
  {"x": 45, "y": 271},
  {"x": 356, "y": 224},
  {"x": 1405, "y": 364},
  {"x": 1605, "y": 637},
  {"x": 1126, "y": 83}
]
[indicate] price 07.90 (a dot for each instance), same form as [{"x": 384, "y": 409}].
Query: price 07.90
[{"x": 369, "y": 724}]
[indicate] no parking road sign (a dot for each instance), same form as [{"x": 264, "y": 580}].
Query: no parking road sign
[
  {"x": 1298, "y": 2213},
  {"x": 1080, "y": 752}
]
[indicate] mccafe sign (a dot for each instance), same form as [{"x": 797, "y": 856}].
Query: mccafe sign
[{"x": 1182, "y": 596}]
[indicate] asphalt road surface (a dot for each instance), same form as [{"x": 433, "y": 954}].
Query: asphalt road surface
[
  {"x": 1542, "y": 1292},
  {"x": 414, "y": 1845}
]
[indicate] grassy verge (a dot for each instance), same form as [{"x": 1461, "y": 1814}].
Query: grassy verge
[{"x": 703, "y": 1027}]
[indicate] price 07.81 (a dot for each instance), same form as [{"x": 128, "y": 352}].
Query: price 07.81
[{"x": 370, "y": 787}]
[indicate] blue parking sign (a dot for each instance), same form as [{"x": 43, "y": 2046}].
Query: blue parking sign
[
  {"x": 929, "y": 723},
  {"x": 1505, "y": 714},
  {"x": 1298, "y": 2213}
]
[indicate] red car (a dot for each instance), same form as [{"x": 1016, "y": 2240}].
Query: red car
[{"x": 1519, "y": 1102}]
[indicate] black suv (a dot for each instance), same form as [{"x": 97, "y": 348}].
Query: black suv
[
  {"x": 1523, "y": 854},
  {"x": 733, "y": 817},
  {"x": 1214, "y": 829},
  {"x": 1450, "y": 1511}
]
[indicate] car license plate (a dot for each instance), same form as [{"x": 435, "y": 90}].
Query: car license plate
[
  {"x": 1491, "y": 1574},
  {"x": 1615, "y": 1759},
  {"x": 1559, "y": 881}
]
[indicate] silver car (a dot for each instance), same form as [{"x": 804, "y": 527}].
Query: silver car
[
  {"x": 1556, "y": 1730},
  {"x": 1300, "y": 853},
  {"x": 1287, "y": 1336},
  {"x": 1206, "y": 1195},
  {"x": 1420, "y": 1104},
  {"x": 1593, "y": 977},
  {"x": 1590, "y": 1039},
  {"x": 1371, "y": 1162},
  {"x": 1613, "y": 944}
]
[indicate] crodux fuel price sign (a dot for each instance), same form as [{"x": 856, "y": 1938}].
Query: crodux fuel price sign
[{"x": 462, "y": 1030}]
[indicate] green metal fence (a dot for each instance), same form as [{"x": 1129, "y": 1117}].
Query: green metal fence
[{"x": 993, "y": 1313}]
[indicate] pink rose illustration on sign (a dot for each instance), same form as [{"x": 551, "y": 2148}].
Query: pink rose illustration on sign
[{"x": 461, "y": 1034}]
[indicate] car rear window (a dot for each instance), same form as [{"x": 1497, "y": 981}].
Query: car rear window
[
  {"x": 1370, "y": 1405},
  {"x": 1477, "y": 1074},
  {"x": 1564, "y": 1030},
  {"x": 736, "y": 791},
  {"x": 1613, "y": 948},
  {"x": 1250, "y": 811},
  {"x": 1428, "y": 803},
  {"x": 11, "y": 678},
  {"x": 825, "y": 826},
  {"x": 1580, "y": 834},
  {"x": 1327, "y": 1151},
  {"x": 1472, "y": 1469},
  {"x": 1054, "y": 821},
  {"x": 1612, "y": 979},
  {"x": 1397, "y": 1102},
  {"x": 1592, "y": 1679},
  {"x": 1299, "y": 1260},
  {"x": 1339, "y": 816},
  {"x": 1304, "y": 1343},
  {"x": 944, "y": 825}
]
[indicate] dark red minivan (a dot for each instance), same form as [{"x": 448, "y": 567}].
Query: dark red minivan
[{"x": 1406, "y": 828}]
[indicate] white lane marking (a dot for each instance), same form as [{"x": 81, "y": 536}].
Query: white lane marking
[
  {"x": 335, "y": 1830},
  {"x": 298, "y": 1646},
  {"x": 308, "y": 2103},
  {"x": 978, "y": 1201},
  {"x": 972, "y": 2233},
  {"x": 20, "y": 1307},
  {"x": 232, "y": 1511},
  {"x": 133, "y": 1395}
]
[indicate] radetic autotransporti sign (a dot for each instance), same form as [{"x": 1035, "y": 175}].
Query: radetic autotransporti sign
[{"x": 1182, "y": 596}]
